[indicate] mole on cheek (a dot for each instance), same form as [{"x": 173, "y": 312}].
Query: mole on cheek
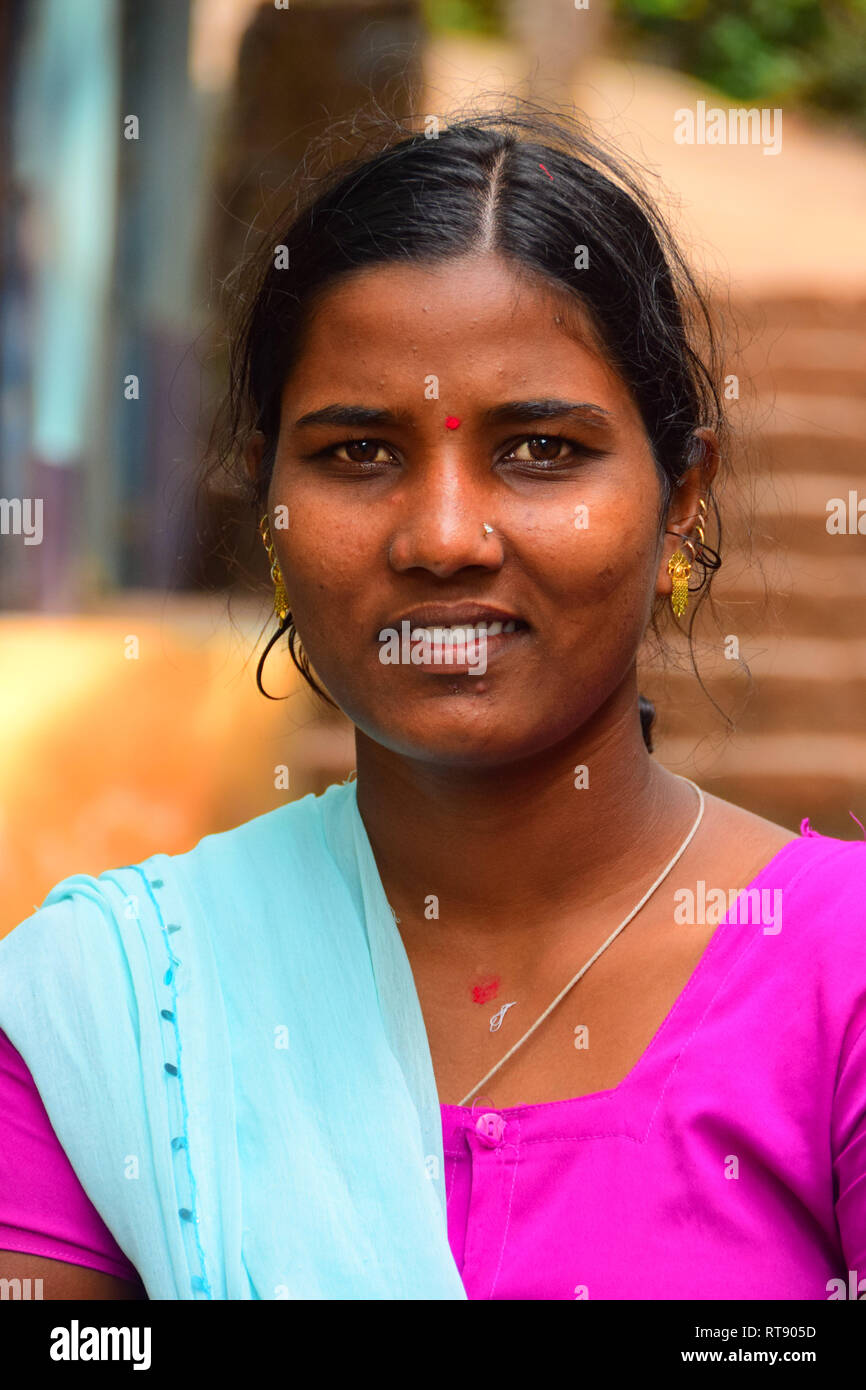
[{"x": 484, "y": 989}]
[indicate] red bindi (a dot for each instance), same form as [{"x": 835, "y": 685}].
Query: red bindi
[
  {"x": 486, "y": 988},
  {"x": 452, "y": 422}
]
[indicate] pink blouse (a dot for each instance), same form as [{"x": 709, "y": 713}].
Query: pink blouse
[{"x": 729, "y": 1163}]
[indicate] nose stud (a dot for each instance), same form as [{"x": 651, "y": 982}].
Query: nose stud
[{"x": 486, "y": 529}]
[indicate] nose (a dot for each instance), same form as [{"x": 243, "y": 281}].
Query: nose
[{"x": 444, "y": 526}]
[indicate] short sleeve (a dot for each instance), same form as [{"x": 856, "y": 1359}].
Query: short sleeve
[
  {"x": 88, "y": 999},
  {"x": 44, "y": 1210}
]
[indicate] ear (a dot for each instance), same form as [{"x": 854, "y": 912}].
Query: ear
[
  {"x": 253, "y": 450},
  {"x": 684, "y": 513}
]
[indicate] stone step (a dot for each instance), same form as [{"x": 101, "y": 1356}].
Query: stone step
[
  {"x": 825, "y": 417},
  {"x": 827, "y": 611},
  {"x": 783, "y": 777},
  {"x": 786, "y": 687},
  {"x": 795, "y": 593},
  {"x": 822, "y": 349},
  {"x": 805, "y": 378},
  {"x": 774, "y": 708},
  {"x": 806, "y": 757},
  {"x": 788, "y": 449},
  {"x": 792, "y": 657},
  {"x": 796, "y": 512},
  {"x": 805, "y": 361},
  {"x": 783, "y": 313},
  {"x": 806, "y": 532},
  {"x": 807, "y": 494},
  {"x": 763, "y": 701},
  {"x": 787, "y": 593},
  {"x": 790, "y": 572}
]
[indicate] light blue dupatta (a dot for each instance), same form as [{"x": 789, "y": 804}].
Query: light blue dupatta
[{"x": 230, "y": 1048}]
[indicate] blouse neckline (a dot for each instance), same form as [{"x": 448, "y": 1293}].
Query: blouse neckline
[{"x": 645, "y": 1082}]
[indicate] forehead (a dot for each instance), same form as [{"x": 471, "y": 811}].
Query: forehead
[{"x": 476, "y": 319}]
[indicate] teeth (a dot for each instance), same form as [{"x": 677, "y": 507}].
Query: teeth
[{"x": 453, "y": 634}]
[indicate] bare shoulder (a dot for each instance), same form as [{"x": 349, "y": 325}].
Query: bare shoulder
[
  {"x": 739, "y": 821},
  {"x": 745, "y": 840}
]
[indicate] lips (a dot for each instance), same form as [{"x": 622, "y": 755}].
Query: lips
[
  {"x": 455, "y": 638},
  {"x": 464, "y": 648}
]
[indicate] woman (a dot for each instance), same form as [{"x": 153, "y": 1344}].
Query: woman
[{"x": 451, "y": 1030}]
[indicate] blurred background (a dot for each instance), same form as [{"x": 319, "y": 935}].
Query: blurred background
[{"x": 140, "y": 144}]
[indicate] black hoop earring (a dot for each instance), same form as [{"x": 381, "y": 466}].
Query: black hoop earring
[
  {"x": 704, "y": 555},
  {"x": 284, "y": 625},
  {"x": 710, "y": 560}
]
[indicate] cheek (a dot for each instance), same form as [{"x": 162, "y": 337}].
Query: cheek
[
  {"x": 610, "y": 555},
  {"x": 324, "y": 551}
]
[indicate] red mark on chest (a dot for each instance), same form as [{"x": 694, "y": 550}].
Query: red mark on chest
[
  {"x": 452, "y": 422},
  {"x": 486, "y": 988},
  {"x": 547, "y": 171}
]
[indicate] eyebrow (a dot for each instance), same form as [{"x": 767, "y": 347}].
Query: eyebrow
[
  {"x": 518, "y": 411},
  {"x": 548, "y": 409}
]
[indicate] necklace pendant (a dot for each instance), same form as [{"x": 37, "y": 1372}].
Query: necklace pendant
[{"x": 496, "y": 1020}]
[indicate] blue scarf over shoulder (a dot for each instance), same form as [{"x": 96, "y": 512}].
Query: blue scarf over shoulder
[{"x": 229, "y": 1046}]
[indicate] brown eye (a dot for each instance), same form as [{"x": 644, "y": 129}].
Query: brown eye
[
  {"x": 548, "y": 455},
  {"x": 544, "y": 446},
  {"x": 361, "y": 450}
]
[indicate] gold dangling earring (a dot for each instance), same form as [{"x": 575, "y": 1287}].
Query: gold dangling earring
[
  {"x": 281, "y": 598},
  {"x": 679, "y": 568}
]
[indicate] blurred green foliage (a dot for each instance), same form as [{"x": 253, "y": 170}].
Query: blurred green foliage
[
  {"x": 810, "y": 52},
  {"x": 468, "y": 16},
  {"x": 807, "y": 52}
]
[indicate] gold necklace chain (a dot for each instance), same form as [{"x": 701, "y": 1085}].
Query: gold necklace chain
[{"x": 635, "y": 910}]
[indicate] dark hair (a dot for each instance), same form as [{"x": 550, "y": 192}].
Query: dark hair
[{"x": 533, "y": 187}]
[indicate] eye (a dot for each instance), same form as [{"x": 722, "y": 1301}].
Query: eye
[
  {"x": 547, "y": 452},
  {"x": 359, "y": 456}
]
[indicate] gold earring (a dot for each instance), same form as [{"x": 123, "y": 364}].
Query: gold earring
[
  {"x": 281, "y": 598},
  {"x": 679, "y": 568}
]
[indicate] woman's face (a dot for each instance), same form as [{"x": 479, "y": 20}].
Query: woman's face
[{"x": 387, "y": 510}]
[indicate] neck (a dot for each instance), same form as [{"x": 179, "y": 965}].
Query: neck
[{"x": 503, "y": 847}]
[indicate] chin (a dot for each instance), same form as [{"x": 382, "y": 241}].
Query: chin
[{"x": 460, "y": 737}]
